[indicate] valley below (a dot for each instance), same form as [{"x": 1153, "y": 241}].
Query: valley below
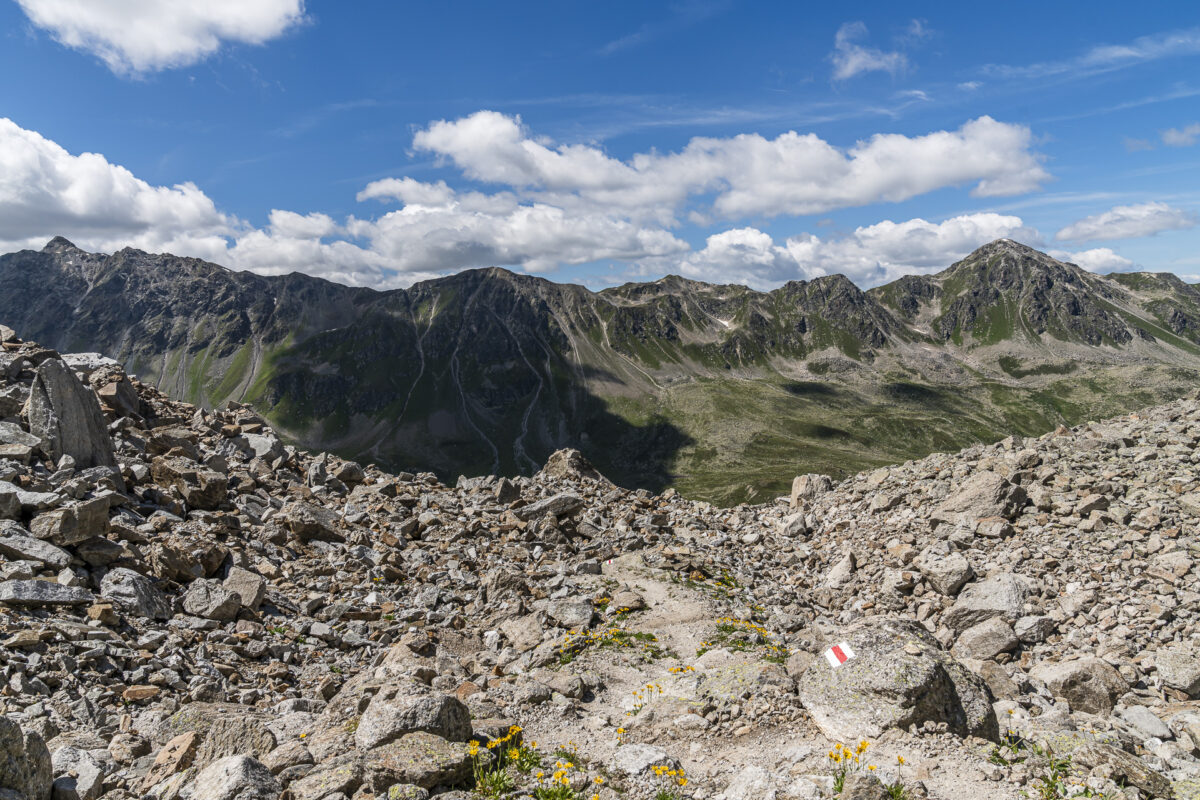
[{"x": 718, "y": 391}]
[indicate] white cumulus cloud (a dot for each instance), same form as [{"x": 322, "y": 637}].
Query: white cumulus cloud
[
  {"x": 475, "y": 229},
  {"x": 1128, "y": 222},
  {"x": 746, "y": 175},
  {"x": 138, "y": 36},
  {"x": 294, "y": 242},
  {"x": 44, "y": 191},
  {"x": 1098, "y": 259},
  {"x": 408, "y": 191}
]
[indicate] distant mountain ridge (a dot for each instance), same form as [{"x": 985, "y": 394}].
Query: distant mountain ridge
[{"x": 723, "y": 391}]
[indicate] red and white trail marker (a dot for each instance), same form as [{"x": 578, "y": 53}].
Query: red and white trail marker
[{"x": 839, "y": 654}]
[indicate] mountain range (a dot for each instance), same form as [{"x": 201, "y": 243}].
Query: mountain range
[{"x": 719, "y": 390}]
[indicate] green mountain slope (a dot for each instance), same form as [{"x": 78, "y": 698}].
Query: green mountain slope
[{"x": 721, "y": 391}]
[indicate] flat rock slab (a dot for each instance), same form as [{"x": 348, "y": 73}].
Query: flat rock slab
[
  {"x": 560, "y": 505},
  {"x": 421, "y": 759},
  {"x": 34, "y": 594},
  {"x": 17, "y": 544}
]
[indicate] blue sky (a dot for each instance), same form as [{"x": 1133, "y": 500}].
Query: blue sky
[{"x": 381, "y": 143}]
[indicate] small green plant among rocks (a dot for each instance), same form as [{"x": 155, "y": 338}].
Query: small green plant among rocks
[
  {"x": 1051, "y": 773},
  {"x": 642, "y": 696},
  {"x": 612, "y": 637},
  {"x": 741, "y": 635},
  {"x": 1053, "y": 780},
  {"x": 721, "y": 586}
]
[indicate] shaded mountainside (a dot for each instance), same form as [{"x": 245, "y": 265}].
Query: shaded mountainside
[{"x": 718, "y": 390}]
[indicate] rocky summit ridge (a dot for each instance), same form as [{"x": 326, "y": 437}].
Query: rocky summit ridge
[
  {"x": 718, "y": 390},
  {"x": 191, "y": 609}
]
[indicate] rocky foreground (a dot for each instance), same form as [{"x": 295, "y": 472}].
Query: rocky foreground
[{"x": 191, "y": 609}]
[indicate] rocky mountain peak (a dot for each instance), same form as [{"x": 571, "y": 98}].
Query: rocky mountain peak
[{"x": 59, "y": 245}]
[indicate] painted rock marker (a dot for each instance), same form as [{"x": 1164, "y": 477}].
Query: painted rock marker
[{"x": 839, "y": 654}]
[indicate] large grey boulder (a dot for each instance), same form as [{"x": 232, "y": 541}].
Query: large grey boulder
[
  {"x": 900, "y": 675},
  {"x": 1124, "y": 768},
  {"x": 986, "y": 640},
  {"x": 863, "y": 786},
  {"x": 1089, "y": 684},
  {"x": 209, "y": 599},
  {"x": 25, "y": 501},
  {"x": 570, "y": 612},
  {"x": 199, "y": 486},
  {"x": 636, "y": 759},
  {"x": 12, "y": 433},
  {"x": 1002, "y": 595},
  {"x": 234, "y": 778},
  {"x": 984, "y": 494},
  {"x": 947, "y": 571},
  {"x": 1179, "y": 671},
  {"x": 135, "y": 594},
  {"x": 1034, "y": 628},
  {"x": 79, "y": 776},
  {"x": 396, "y": 711},
  {"x": 235, "y": 735},
  {"x": 752, "y": 781},
  {"x": 808, "y": 487},
  {"x": 10, "y": 501},
  {"x": 569, "y": 464},
  {"x": 72, "y": 524},
  {"x": 1146, "y": 722},
  {"x": 25, "y": 766},
  {"x": 36, "y": 594},
  {"x": 264, "y": 446},
  {"x": 66, "y": 416},
  {"x": 335, "y": 777},
  {"x": 251, "y": 588},
  {"x": 310, "y": 523}
]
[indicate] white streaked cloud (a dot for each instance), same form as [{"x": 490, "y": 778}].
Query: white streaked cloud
[
  {"x": 851, "y": 58},
  {"x": 1182, "y": 137},
  {"x": 1108, "y": 57},
  {"x": 1128, "y": 222}
]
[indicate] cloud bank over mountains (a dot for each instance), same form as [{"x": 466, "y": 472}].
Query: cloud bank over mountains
[
  {"x": 537, "y": 205},
  {"x": 542, "y": 205}
]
